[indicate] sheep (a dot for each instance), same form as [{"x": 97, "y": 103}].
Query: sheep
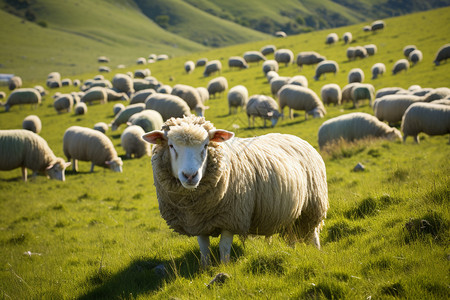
[
  {"x": 391, "y": 108},
  {"x": 277, "y": 83},
  {"x": 145, "y": 83},
  {"x": 191, "y": 96},
  {"x": 331, "y": 93},
  {"x": 262, "y": 106},
  {"x": 271, "y": 75},
  {"x": 201, "y": 62},
  {"x": 350, "y": 53},
  {"x": 361, "y": 92},
  {"x": 103, "y": 59},
  {"x": 123, "y": 116},
  {"x": 377, "y": 25},
  {"x": 22, "y": 96},
  {"x": 76, "y": 82},
  {"x": 117, "y": 108},
  {"x": 268, "y": 49},
  {"x": 123, "y": 83},
  {"x": 388, "y": 91},
  {"x": 80, "y": 108},
  {"x": 217, "y": 85},
  {"x": 237, "y": 97},
  {"x": 142, "y": 73},
  {"x": 14, "y": 82},
  {"x": 326, "y": 66},
  {"x": 203, "y": 92},
  {"x": 212, "y": 67},
  {"x": 32, "y": 123},
  {"x": 280, "y": 34},
  {"x": 162, "y": 57},
  {"x": 63, "y": 102},
  {"x": 103, "y": 83},
  {"x": 3, "y": 95},
  {"x": 113, "y": 95},
  {"x": 66, "y": 82},
  {"x": 401, "y": 64},
  {"x": 264, "y": 185},
  {"x": 332, "y": 38},
  {"x": 132, "y": 142},
  {"x": 309, "y": 58},
  {"x": 415, "y": 57},
  {"x": 104, "y": 69},
  {"x": 408, "y": 49},
  {"x": 442, "y": 101},
  {"x": 442, "y": 54},
  {"x": 95, "y": 94},
  {"x": 237, "y": 62},
  {"x": 300, "y": 98},
  {"x": 298, "y": 80},
  {"x": 355, "y": 75},
  {"x": 189, "y": 66},
  {"x": 141, "y": 61},
  {"x": 355, "y": 126},
  {"x": 254, "y": 57},
  {"x": 347, "y": 92},
  {"x": 285, "y": 56},
  {"x": 360, "y": 52},
  {"x": 148, "y": 119},
  {"x": 87, "y": 144},
  {"x": 429, "y": 118},
  {"x": 347, "y": 37},
  {"x": 414, "y": 87},
  {"x": 269, "y": 65},
  {"x": 164, "y": 89},
  {"x": 101, "y": 126},
  {"x": 436, "y": 94},
  {"x": 378, "y": 69},
  {"x": 24, "y": 149},
  {"x": 367, "y": 28},
  {"x": 168, "y": 106},
  {"x": 371, "y": 49},
  {"x": 141, "y": 96}
]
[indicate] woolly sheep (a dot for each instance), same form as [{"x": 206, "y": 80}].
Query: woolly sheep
[
  {"x": 371, "y": 49},
  {"x": 101, "y": 126},
  {"x": 280, "y": 34},
  {"x": 401, "y": 64},
  {"x": 442, "y": 54},
  {"x": 347, "y": 37},
  {"x": 237, "y": 97},
  {"x": 355, "y": 126},
  {"x": 104, "y": 69},
  {"x": 361, "y": 92},
  {"x": 277, "y": 83},
  {"x": 415, "y": 56},
  {"x": 367, "y": 28},
  {"x": 80, "y": 108},
  {"x": 201, "y": 62},
  {"x": 347, "y": 92},
  {"x": 269, "y": 65},
  {"x": 14, "y": 82},
  {"x": 87, "y": 144},
  {"x": 164, "y": 89},
  {"x": 32, "y": 123},
  {"x": 63, "y": 103},
  {"x": 141, "y": 96},
  {"x": 350, "y": 53},
  {"x": 24, "y": 149},
  {"x": 254, "y": 56},
  {"x": 66, "y": 82},
  {"x": 103, "y": 59},
  {"x": 123, "y": 83},
  {"x": 429, "y": 118},
  {"x": 442, "y": 101},
  {"x": 145, "y": 83},
  {"x": 103, "y": 83},
  {"x": 326, "y": 66},
  {"x": 298, "y": 80},
  {"x": 223, "y": 179},
  {"x": 331, "y": 38},
  {"x": 168, "y": 105},
  {"x": 2, "y": 95},
  {"x": 285, "y": 56},
  {"x": 212, "y": 67},
  {"x": 355, "y": 75},
  {"x": 142, "y": 73},
  {"x": 99, "y": 77},
  {"x": 268, "y": 49},
  {"x": 41, "y": 90},
  {"x": 162, "y": 57},
  {"x": 388, "y": 91},
  {"x": 377, "y": 25},
  {"x": 132, "y": 142},
  {"x": 113, "y": 95},
  {"x": 189, "y": 66},
  {"x": 148, "y": 119},
  {"x": 123, "y": 116},
  {"x": 331, "y": 93},
  {"x": 360, "y": 52},
  {"x": 237, "y": 62},
  {"x": 436, "y": 94},
  {"x": 300, "y": 98},
  {"x": 117, "y": 108},
  {"x": 309, "y": 58},
  {"x": 95, "y": 94},
  {"x": 203, "y": 92},
  {"x": 408, "y": 49},
  {"x": 191, "y": 96},
  {"x": 271, "y": 75},
  {"x": 391, "y": 108},
  {"x": 378, "y": 69},
  {"x": 22, "y": 96},
  {"x": 262, "y": 106},
  {"x": 217, "y": 85},
  {"x": 141, "y": 61}
]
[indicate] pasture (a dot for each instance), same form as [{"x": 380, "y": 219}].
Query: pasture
[{"x": 100, "y": 236}]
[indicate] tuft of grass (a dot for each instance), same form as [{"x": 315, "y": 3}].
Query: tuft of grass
[
  {"x": 432, "y": 224},
  {"x": 395, "y": 290},
  {"x": 342, "y": 229},
  {"x": 267, "y": 265},
  {"x": 367, "y": 207},
  {"x": 326, "y": 290}
]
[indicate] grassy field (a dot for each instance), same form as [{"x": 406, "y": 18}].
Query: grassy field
[{"x": 100, "y": 236}]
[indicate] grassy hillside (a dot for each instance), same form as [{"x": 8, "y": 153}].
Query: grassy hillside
[{"x": 100, "y": 236}]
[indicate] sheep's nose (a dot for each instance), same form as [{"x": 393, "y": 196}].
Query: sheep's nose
[{"x": 189, "y": 177}]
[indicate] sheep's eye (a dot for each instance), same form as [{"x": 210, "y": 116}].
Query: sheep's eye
[{"x": 171, "y": 146}]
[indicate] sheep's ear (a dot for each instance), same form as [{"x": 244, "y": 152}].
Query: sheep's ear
[
  {"x": 154, "y": 137},
  {"x": 67, "y": 164},
  {"x": 220, "y": 135}
]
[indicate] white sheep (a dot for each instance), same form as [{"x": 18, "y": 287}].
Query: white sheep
[
  {"x": 95, "y": 94},
  {"x": 400, "y": 65},
  {"x": 280, "y": 34},
  {"x": 66, "y": 82},
  {"x": 148, "y": 119},
  {"x": 123, "y": 83},
  {"x": 277, "y": 83},
  {"x": 300, "y": 98},
  {"x": 209, "y": 183},
  {"x": 191, "y": 96},
  {"x": 391, "y": 108},
  {"x": 437, "y": 93},
  {"x": 360, "y": 52},
  {"x": 331, "y": 93},
  {"x": 237, "y": 62},
  {"x": 80, "y": 108},
  {"x": 355, "y": 75},
  {"x": 378, "y": 69},
  {"x": 298, "y": 80},
  {"x": 285, "y": 56},
  {"x": 132, "y": 142},
  {"x": 429, "y": 118},
  {"x": 362, "y": 91},
  {"x": 326, "y": 66},
  {"x": 254, "y": 56},
  {"x": 350, "y": 53},
  {"x": 22, "y": 96},
  {"x": 388, "y": 91},
  {"x": 123, "y": 116},
  {"x": 237, "y": 97},
  {"x": 149, "y": 82},
  {"x": 355, "y": 126},
  {"x": 189, "y": 66},
  {"x": 269, "y": 65},
  {"x": 101, "y": 126},
  {"x": 141, "y": 96},
  {"x": 347, "y": 37},
  {"x": 271, "y": 75},
  {"x": 201, "y": 62},
  {"x": 63, "y": 102},
  {"x": 217, "y": 85},
  {"x": 371, "y": 49},
  {"x": 212, "y": 67},
  {"x": 268, "y": 49},
  {"x": 415, "y": 56},
  {"x": 32, "y": 123},
  {"x": 332, "y": 38},
  {"x": 15, "y": 82},
  {"x": 347, "y": 92},
  {"x": 117, "y": 108},
  {"x": 87, "y": 144},
  {"x": 168, "y": 105},
  {"x": 203, "y": 92},
  {"x": 21, "y": 148},
  {"x": 309, "y": 58},
  {"x": 377, "y": 25},
  {"x": 141, "y": 61},
  {"x": 162, "y": 57},
  {"x": 164, "y": 89},
  {"x": 442, "y": 54},
  {"x": 408, "y": 49},
  {"x": 262, "y": 106},
  {"x": 113, "y": 95}
]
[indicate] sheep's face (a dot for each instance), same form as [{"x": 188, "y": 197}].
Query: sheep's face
[{"x": 56, "y": 171}]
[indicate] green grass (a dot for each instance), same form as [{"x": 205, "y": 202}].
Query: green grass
[{"x": 100, "y": 235}]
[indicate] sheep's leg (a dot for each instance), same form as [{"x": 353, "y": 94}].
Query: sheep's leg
[
  {"x": 75, "y": 165},
  {"x": 315, "y": 238},
  {"x": 203, "y": 242},
  {"x": 24, "y": 174},
  {"x": 416, "y": 138},
  {"x": 291, "y": 113},
  {"x": 92, "y": 167},
  {"x": 264, "y": 123},
  {"x": 226, "y": 240},
  {"x": 249, "y": 122}
]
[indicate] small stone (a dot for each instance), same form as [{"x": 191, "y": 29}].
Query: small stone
[
  {"x": 359, "y": 167},
  {"x": 219, "y": 279}
]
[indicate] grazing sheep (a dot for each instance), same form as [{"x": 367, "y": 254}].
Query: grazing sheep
[
  {"x": 22, "y": 96},
  {"x": 66, "y": 82},
  {"x": 361, "y": 92},
  {"x": 264, "y": 185},
  {"x": 350, "y": 53},
  {"x": 269, "y": 65},
  {"x": 3, "y": 95},
  {"x": 237, "y": 97},
  {"x": 277, "y": 83},
  {"x": 189, "y": 66},
  {"x": 204, "y": 94},
  {"x": 24, "y": 149},
  {"x": 388, "y": 91},
  {"x": 164, "y": 89},
  {"x": 201, "y": 62},
  {"x": 162, "y": 57},
  {"x": 87, "y": 144},
  {"x": 268, "y": 49},
  {"x": 442, "y": 101},
  {"x": 309, "y": 58},
  {"x": 191, "y": 96},
  {"x": 415, "y": 56},
  {"x": 80, "y": 108},
  {"x": 237, "y": 62},
  {"x": 141, "y": 96},
  {"x": 142, "y": 73},
  {"x": 254, "y": 56},
  {"x": 347, "y": 37},
  {"x": 436, "y": 94},
  {"x": 355, "y": 75},
  {"x": 148, "y": 119},
  {"x": 14, "y": 82},
  {"x": 217, "y": 85},
  {"x": 123, "y": 83},
  {"x": 355, "y": 126},
  {"x": 367, "y": 28},
  {"x": 132, "y": 142},
  {"x": 442, "y": 54},
  {"x": 298, "y": 80},
  {"x": 262, "y": 106},
  {"x": 347, "y": 92},
  {"x": 414, "y": 87},
  {"x": 104, "y": 69},
  {"x": 63, "y": 102},
  {"x": 32, "y": 123},
  {"x": 145, "y": 83},
  {"x": 168, "y": 106},
  {"x": 377, "y": 25},
  {"x": 408, "y": 49},
  {"x": 285, "y": 56},
  {"x": 391, "y": 108},
  {"x": 40, "y": 89},
  {"x": 331, "y": 93},
  {"x": 332, "y": 38},
  {"x": 429, "y": 118},
  {"x": 371, "y": 49},
  {"x": 103, "y": 59},
  {"x": 401, "y": 64},
  {"x": 378, "y": 69},
  {"x": 212, "y": 67},
  {"x": 271, "y": 75},
  {"x": 327, "y": 66},
  {"x": 360, "y": 52},
  {"x": 123, "y": 116},
  {"x": 117, "y": 108},
  {"x": 141, "y": 61},
  {"x": 300, "y": 98},
  {"x": 280, "y": 34},
  {"x": 101, "y": 126},
  {"x": 113, "y": 95},
  {"x": 95, "y": 94},
  {"x": 103, "y": 83}
]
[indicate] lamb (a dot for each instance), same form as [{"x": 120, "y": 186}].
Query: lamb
[
  {"x": 360, "y": 52},
  {"x": 442, "y": 54},
  {"x": 95, "y": 94},
  {"x": 87, "y": 144},
  {"x": 148, "y": 119},
  {"x": 117, "y": 108},
  {"x": 237, "y": 62},
  {"x": 32, "y": 123},
  {"x": 300, "y": 98},
  {"x": 22, "y": 96},
  {"x": 408, "y": 49},
  {"x": 101, "y": 126},
  {"x": 269, "y": 65},
  {"x": 132, "y": 142},
  {"x": 191, "y": 96},
  {"x": 309, "y": 58},
  {"x": 298, "y": 80},
  {"x": 212, "y": 67},
  {"x": 347, "y": 37},
  {"x": 277, "y": 83},
  {"x": 262, "y": 106},
  {"x": 268, "y": 49},
  {"x": 332, "y": 38},
  {"x": 355, "y": 126},
  {"x": 123, "y": 116},
  {"x": 141, "y": 96},
  {"x": 24, "y": 149},
  {"x": 415, "y": 56},
  {"x": 220, "y": 185},
  {"x": 271, "y": 75},
  {"x": 327, "y": 66},
  {"x": 217, "y": 85},
  {"x": 80, "y": 108},
  {"x": 331, "y": 93},
  {"x": 377, "y": 25},
  {"x": 168, "y": 106},
  {"x": 355, "y": 75},
  {"x": 189, "y": 66},
  {"x": 280, "y": 34},
  {"x": 371, "y": 49},
  {"x": 141, "y": 61},
  {"x": 63, "y": 102},
  {"x": 254, "y": 57},
  {"x": 123, "y": 83},
  {"x": 391, "y": 108},
  {"x": 285, "y": 56},
  {"x": 378, "y": 69},
  {"x": 14, "y": 82},
  {"x": 429, "y": 118},
  {"x": 361, "y": 92},
  {"x": 103, "y": 59},
  {"x": 401, "y": 64},
  {"x": 237, "y": 97}
]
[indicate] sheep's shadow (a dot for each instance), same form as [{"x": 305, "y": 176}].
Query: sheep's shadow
[{"x": 146, "y": 275}]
